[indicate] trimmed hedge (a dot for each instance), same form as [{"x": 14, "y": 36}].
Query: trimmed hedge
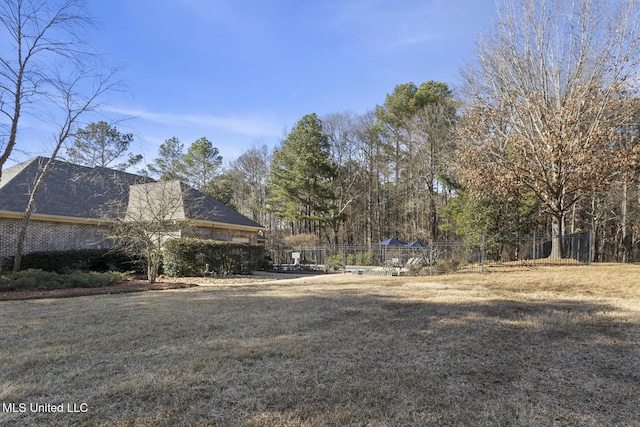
[
  {"x": 31, "y": 279},
  {"x": 99, "y": 260},
  {"x": 189, "y": 257}
]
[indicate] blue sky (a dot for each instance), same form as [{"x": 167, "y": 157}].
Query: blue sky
[{"x": 243, "y": 72}]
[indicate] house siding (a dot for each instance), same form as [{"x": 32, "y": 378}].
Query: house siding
[
  {"x": 62, "y": 236},
  {"x": 213, "y": 233},
  {"x": 51, "y": 236},
  {"x": 70, "y": 202}
]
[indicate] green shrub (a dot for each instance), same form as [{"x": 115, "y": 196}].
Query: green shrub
[
  {"x": 365, "y": 258},
  {"x": 446, "y": 266},
  {"x": 100, "y": 260},
  {"x": 359, "y": 258},
  {"x": 417, "y": 270},
  {"x": 32, "y": 279},
  {"x": 334, "y": 261},
  {"x": 184, "y": 257}
]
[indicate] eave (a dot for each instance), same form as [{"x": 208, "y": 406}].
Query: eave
[
  {"x": 226, "y": 226},
  {"x": 103, "y": 222},
  {"x": 53, "y": 218}
]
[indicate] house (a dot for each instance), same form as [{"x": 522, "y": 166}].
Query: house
[{"x": 74, "y": 203}]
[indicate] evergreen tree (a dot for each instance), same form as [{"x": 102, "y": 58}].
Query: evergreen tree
[
  {"x": 221, "y": 189},
  {"x": 415, "y": 125},
  {"x": 100, "y": 144},
  {"x": 300, "y": 181},
  {"x": 169, "y": 165},
  {"x": 201, "y": 164}
]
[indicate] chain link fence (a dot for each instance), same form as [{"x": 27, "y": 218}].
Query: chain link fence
[{"x": 437, "y": 257}]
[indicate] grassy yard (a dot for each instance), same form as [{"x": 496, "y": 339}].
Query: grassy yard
[{"x": 547, "y": 346}]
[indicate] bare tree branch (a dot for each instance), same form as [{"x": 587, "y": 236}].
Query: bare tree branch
[
  {"x": 40, "y": 33},
  {"x": 73, "y": 105},
  {"x": 549, "y": 90}
]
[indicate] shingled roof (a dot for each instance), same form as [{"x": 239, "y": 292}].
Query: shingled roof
[
  {"x": 177, "y": 201},
  {"x": 68, "y": 190},
  {"x": 74, "y": 191}
]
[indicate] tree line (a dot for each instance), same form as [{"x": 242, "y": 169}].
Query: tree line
[
  {"x": 540, "y": 136},
  {"x": 417, "y": 167}
]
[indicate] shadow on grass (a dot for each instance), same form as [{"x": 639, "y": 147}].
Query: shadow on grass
[{"x": 251, "y": 357}]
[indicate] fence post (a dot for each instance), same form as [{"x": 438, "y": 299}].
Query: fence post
[
  {"x": 482, "y": 255},
  {"x": 324, "y": 258},
  {"x": 533, "y": 260},
  {"x": 344, "y": 257},
  {"x": 431, "y": 258}
]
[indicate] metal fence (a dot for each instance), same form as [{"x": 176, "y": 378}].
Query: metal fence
[{"x": 436, "y": 257}]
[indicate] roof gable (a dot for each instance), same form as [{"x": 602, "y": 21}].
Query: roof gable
[
  {"x": 174, "y": 200},
  {"x": 82, "y": 192},
  {"x": 9, "y": 173},
  {"x": 199, "y": 206},
  {"x": 156, "y": 201},
  {"x": 68, "y": 190}
]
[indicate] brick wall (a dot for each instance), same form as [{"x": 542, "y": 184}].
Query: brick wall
[
  {"x": 220, "y": 234},
  {"x": 50, "y": 236},
  {"x": 60, "y": 236}
]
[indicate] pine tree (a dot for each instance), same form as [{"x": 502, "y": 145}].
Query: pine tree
[
  {"x": 169, "y": 165},
  {"x": 300, "y": 181},
  {"x": 201, "y": 164},
  {"x": 100, "y": 144}
]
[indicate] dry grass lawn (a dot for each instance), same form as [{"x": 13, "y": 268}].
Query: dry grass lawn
[{"x": 548, "y": 346}]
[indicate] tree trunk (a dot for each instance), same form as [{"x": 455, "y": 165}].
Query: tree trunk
[
  {"x": 556, "y": 237},
  {"x": 22, "y": 229},
  {"x": 153, "y": 263},
  {"x": 594, "y": 230},
  {"x": 623, "y": 222},
  {"x": 151, "y": 272},
  {"x": 22, "y": 234}
]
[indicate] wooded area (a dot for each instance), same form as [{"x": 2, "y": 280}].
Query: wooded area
[{"x": 540, "y": 137}]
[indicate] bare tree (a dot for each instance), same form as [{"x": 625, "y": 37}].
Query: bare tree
[
  {"x": 249, "y": 174},
  {"x": 74, "y": 104},
  {"x": 155, "y": 212},
  {"x": 38, "y": 36},
  {"x": 432, "y": 127},
  {"x": 371, "y": 214},
  {"x": 546, "y": 97},
  {"x": 46, "y": 69},
  {"x": 341, "y": 130}
]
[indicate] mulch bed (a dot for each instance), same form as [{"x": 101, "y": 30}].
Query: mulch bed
[
  {"x": 139, "y": 284},
  {"x": 118, "y": 288}
]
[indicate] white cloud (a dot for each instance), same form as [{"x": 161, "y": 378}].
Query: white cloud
[
  {"x": 388, "y": 25},
  {"x": 246, "y": 126},
  {"x": 231, "y": 135},
  {"x": 408, "y": 38}
]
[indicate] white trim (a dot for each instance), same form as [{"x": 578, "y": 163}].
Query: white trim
[{"x": 96, "y": 221}]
